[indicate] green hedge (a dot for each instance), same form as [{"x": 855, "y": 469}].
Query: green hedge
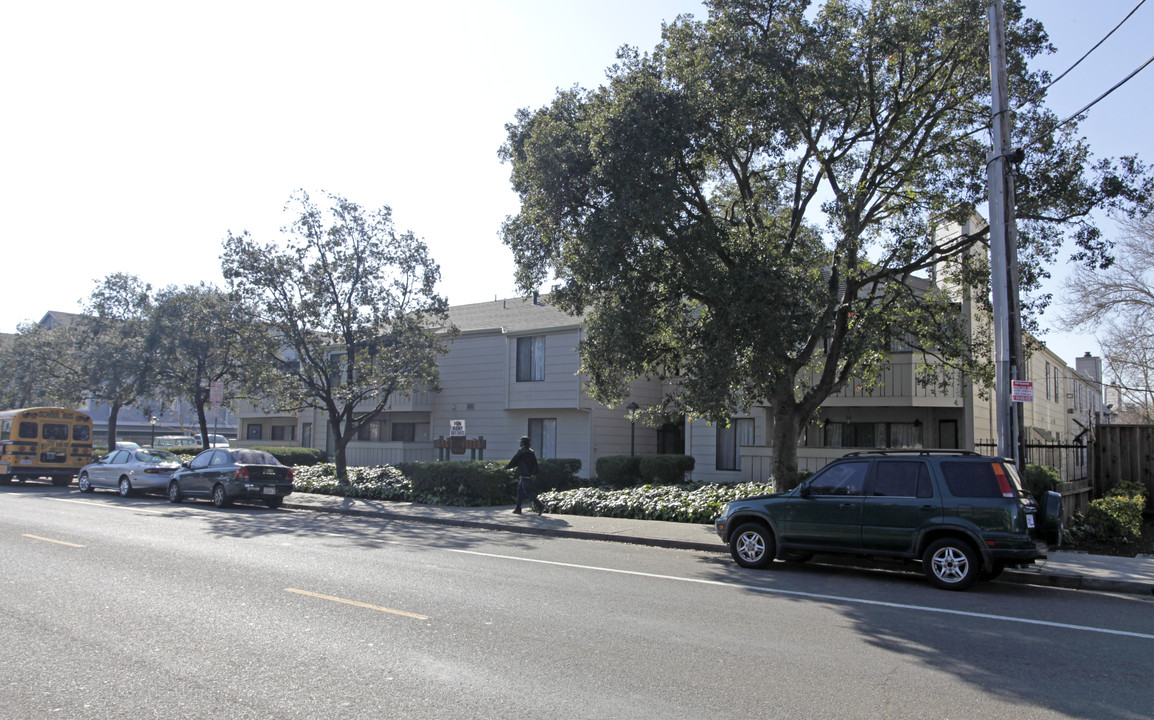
[
  {"x": 619, "y": 470},
  {"x": 629, "y": 470},
  {"x": 467, "y": 483},
  {"x": 294, "y": 455},
  {"x": 666, "y": 469}
]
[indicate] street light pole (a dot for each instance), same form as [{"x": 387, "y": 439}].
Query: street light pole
[
  {"x": 152, "y": 437},
  {"x": 632, "y": 426}
]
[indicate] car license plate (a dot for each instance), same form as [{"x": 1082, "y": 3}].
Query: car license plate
[
  {"x": 270, "y": 490},
  {"x": 1030, "y": 521}
]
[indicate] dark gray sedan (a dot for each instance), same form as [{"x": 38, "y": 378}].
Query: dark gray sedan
[
  {"x": 224, "y": 475},
  {"x": 129, "y": 470}
]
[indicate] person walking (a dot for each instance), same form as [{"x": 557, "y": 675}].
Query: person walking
[{"x": 525, "y": 461}]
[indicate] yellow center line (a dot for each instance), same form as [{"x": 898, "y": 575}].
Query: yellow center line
[
  {"x": 58, "y": 542},
  {"x": 357, "y": 604}
]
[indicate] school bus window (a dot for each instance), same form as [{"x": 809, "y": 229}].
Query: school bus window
[
  {"x": 55, "y": 431},
  {"x": 29, "y": 430},
  {"x": 81, "y": 432}
]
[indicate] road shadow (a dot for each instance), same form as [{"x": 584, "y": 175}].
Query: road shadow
[{"x": 1015, "y": 642}]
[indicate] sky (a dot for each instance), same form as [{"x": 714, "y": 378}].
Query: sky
[{"x": 134, "y": 136}]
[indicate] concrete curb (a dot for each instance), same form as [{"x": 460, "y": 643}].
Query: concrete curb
[{"x": 523, "y": 530}]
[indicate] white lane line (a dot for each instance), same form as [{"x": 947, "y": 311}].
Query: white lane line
[
  {"x": 112, "y": 507},
  {"x": 736, "y": 586},
  {"x": 818, "y": 596}
]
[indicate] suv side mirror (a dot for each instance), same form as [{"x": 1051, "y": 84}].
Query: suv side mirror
[{"x": 803, "y": 490}]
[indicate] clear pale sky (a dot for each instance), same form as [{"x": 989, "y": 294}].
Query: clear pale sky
[{"x": 135, "y": 135}]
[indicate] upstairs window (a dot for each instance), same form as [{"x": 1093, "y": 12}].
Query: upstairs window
[{"x": 531, "y": 359}]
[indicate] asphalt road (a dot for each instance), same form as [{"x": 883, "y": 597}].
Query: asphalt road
[{"x": 137, "y": 608}]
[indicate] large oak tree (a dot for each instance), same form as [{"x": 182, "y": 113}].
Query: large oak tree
[{"x": 747, "y": 208}]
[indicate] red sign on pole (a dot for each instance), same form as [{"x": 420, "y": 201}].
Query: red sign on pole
[{"x": 1022, "y": 391}]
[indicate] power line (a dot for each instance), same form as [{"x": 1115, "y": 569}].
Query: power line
[
  {"x": 1101, "y": 97},
  {"x": 1091, "y": 50}
]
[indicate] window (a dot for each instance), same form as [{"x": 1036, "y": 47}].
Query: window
[
  {"x": 254, "y": 431},
  {"x": 81, "y": 433},
  {"x": 404, "y": 432},
  {"x": 306, "y": 435},
  {"x": 55, "y": 431},
  {"x": 372, "y": 431},
  {"x": 29, "y": 431},
  {"x": 543, "y": 436},
  {"x": 843, "y": 479},
  {"x": 739, "y": 432},
  {"x": 1047, "y": 381},
  {"x": 531, "y": 359},
  {"x": 283, "y": 432},
  {"x": 977, "y": 480},
  {"x": 902, "y": 479},
  {"x": 201, "y": 460}
]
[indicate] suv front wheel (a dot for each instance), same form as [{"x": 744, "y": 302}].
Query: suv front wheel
[
  {"x": 951, "y": 564},
  {"x": 752, "y": 546}
]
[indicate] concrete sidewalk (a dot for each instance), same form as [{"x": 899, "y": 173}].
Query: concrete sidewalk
[{"x": 1063, "y": 569}]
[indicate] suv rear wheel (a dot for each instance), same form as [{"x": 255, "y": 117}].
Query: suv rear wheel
[
  {"x": 752, "y": 545},
  {"x": 951, "y": 564}
]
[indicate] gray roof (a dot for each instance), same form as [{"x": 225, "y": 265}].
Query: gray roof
[{"x": 511, "y": 316}]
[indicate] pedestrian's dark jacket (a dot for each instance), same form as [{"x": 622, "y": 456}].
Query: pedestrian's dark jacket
[{"x": 525, "y": 461}]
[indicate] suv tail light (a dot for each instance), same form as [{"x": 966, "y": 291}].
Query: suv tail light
[{"x": 289, "y": 475}]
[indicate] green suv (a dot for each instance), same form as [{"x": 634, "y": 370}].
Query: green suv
[{"x": 963, "y": 515}]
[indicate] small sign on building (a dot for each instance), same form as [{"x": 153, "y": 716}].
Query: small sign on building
[
  {"x": 456, "y": 428},
  {"x": 1022, "y": 390}
]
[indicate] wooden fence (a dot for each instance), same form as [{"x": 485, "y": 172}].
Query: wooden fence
[{"x": 1123, "y": 452}]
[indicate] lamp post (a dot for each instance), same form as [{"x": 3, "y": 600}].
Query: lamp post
[
  {"x": 152, "y": 437},
  {"x": 632, "y": 426}
]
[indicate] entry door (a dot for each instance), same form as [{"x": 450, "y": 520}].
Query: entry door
[{"x": 948, "y": 434}]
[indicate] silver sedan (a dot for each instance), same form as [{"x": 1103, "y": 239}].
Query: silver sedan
[{"x": 129, "y": 470}]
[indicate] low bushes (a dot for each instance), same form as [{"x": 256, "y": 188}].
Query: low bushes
[
  {"x": 477, "y": 483},
  {"x": 688, "y": 502},
  {"x": 1114, "y": 518},
  {"x": 1041, "y": 479}
]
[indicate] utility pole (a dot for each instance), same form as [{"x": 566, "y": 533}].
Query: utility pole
[{"x": 1003, "y": 249}]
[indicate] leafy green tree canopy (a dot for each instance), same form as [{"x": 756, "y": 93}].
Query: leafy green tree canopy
[
  {"x": 353, "y": 306},
  {"x": 753, "y": 207}
]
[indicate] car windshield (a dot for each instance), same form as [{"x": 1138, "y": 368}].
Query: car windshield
[
  {"x": 156, "y": 456},
  {"x": 254, "y": 457}
]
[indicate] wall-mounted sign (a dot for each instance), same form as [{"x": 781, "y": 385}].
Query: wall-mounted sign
[{"x": 456, "y": 428}]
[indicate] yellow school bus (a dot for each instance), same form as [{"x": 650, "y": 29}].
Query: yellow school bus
[{"x": 44, "y": 442}]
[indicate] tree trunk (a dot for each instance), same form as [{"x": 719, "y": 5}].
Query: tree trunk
[
  {"x": 785, "y": 434},
  {"x": 113, "y": 414},
  {"x": 202, "y": 419},
  {"x": 340, "y": 443}
]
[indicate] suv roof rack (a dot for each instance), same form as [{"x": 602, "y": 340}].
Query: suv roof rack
[{"x": 914, "y": 451}]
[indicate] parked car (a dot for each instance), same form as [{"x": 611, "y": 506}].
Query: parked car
[
  {"x": 176, "y": 442},
  {"x": 213, "y": 440},
  {"x": 127, "y": 445},
  {"x": 962, "y": 515},
  {"x": 129, "y": 471},
  {"x": 227, "y": 474}
]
